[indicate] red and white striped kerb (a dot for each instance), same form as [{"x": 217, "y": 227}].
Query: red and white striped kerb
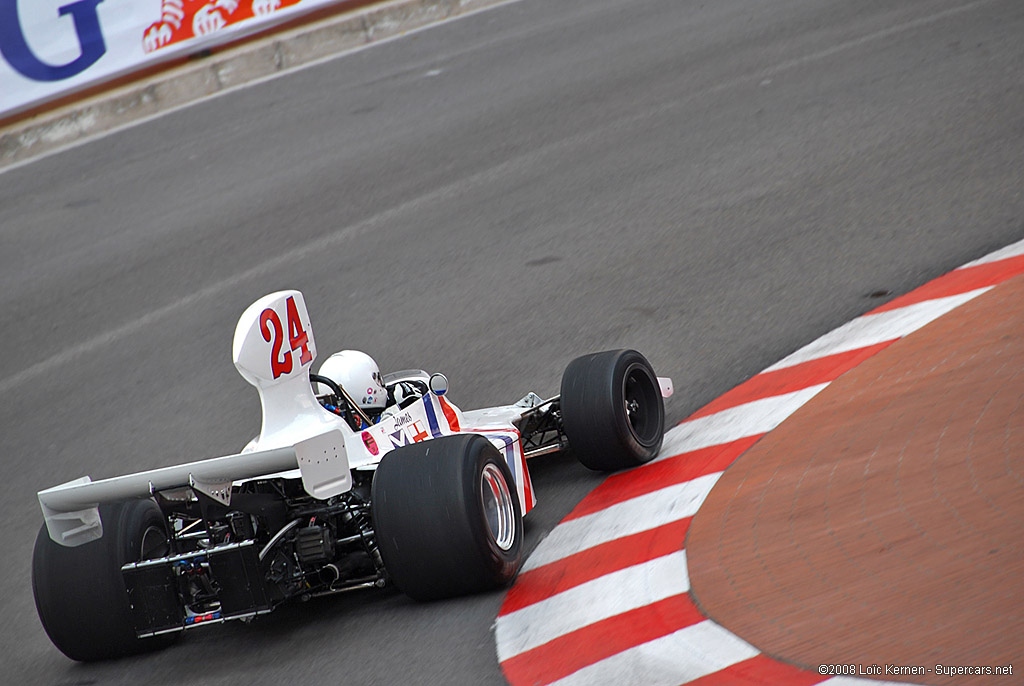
[{"x": 604, "y": 599}]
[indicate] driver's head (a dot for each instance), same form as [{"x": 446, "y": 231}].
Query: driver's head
[{"x": 359, "y": 375}]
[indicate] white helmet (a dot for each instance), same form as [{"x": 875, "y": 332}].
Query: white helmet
[{"x": 359, "y": 375}]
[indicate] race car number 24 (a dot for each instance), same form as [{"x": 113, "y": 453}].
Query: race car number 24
[{"x": 273, "y": 333}]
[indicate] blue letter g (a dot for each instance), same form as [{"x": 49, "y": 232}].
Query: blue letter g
[{"x": 14, "y": 48}]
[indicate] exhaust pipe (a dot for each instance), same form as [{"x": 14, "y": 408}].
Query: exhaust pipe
[{"x": 329, "y": 574}]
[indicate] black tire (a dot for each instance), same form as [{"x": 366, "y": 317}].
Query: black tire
[
  {"x": 437, "y": 536},
  {"x": 80, "y": 593},
  {"x": 612, "y": 410}
]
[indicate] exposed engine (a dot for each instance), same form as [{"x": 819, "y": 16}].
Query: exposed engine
[{"x": 274, "y": 543}]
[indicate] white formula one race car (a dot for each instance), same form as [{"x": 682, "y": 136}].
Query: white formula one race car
[{"x": 381, "y": 483}]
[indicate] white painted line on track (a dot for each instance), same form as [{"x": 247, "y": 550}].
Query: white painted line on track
[
  {"x": 882, "y": 34},
  {"x": 593, "y": 601},
  {"x": 687, "y": 654},
  {"x": 642, "y": 513},
  {"x": 380, "y": 221},
  {"x": 872, "y": 329}
]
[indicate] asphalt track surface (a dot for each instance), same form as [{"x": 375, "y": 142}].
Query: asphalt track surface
[{"x": 715, "y": 184}]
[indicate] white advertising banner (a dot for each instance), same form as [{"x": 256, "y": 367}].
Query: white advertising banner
[{"x": 50, "y": 48}]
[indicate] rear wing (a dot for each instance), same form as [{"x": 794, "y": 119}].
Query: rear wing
[
  {"x": 72, "y": 514},
  {"x": 273, "y": 350}
]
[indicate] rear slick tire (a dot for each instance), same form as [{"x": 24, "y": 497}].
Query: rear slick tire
[
  {"x": 612, "y": 410},
  {"x": 79, "y": 592},
  {"x": 447, "y": 517}
]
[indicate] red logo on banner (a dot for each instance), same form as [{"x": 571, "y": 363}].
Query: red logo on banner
[{"x": 184, "y": 19}]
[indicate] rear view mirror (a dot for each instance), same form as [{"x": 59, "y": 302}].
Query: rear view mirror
[{"x": 438, "y": 384}]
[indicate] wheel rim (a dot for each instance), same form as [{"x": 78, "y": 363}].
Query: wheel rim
[
  {"x": 154, "y": 544},
  {"x": 640, "y": 398},
  {"x": 499, "y": 511}
]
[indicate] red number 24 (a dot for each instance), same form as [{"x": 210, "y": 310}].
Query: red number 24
[{"x": 297, "y": 339}]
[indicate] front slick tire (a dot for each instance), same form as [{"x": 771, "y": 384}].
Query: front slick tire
[
  {"x": 80, "y": 593},
  {"x": 447, "y": 517},
  {"x": 612, "y": 410}
]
